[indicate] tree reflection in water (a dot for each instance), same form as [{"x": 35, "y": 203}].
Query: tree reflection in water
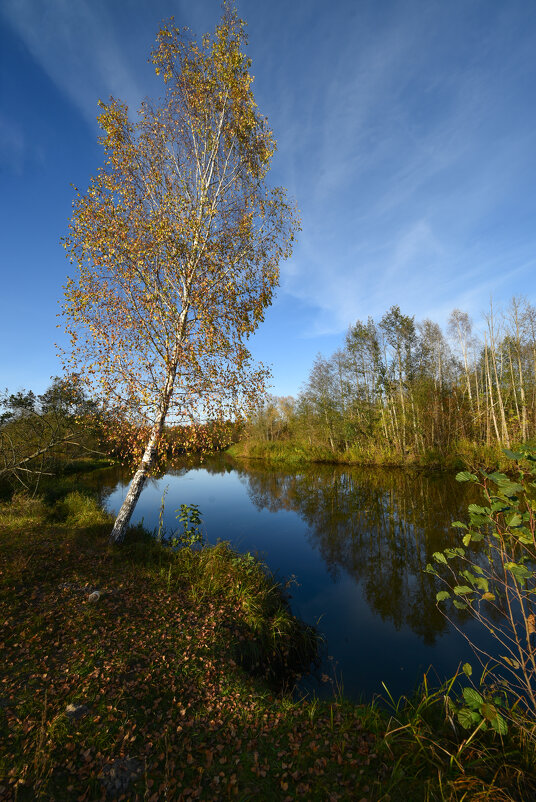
[
  {"x": 358, "y": 541},
  {"x": 380, "y": 526}
]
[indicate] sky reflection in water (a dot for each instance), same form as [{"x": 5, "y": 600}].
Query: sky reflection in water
[{"x": 357, "y": 541}]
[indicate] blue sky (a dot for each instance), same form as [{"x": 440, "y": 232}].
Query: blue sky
[{"x": 406, "y": 133}]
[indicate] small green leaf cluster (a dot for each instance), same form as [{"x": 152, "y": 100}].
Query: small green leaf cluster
[
  {"x": 476, "y": 711},
  {"x": 190, "y": 518},
  {"x": 508, "y": 520},
  {"x": 245, "y": 561}
]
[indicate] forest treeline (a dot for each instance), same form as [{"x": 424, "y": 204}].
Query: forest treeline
[
  {"x": 401, "y": 388},
  {"x": 42, "y": 436},
  {"x": 396, "y": 391}
]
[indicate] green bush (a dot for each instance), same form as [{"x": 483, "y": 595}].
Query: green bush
[{"x": 492, "y": 574}]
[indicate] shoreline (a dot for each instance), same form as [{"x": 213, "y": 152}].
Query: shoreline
[{"x": 295, "y": 453}]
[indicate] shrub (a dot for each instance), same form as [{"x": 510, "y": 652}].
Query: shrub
[{"x": 492, "y": 574}]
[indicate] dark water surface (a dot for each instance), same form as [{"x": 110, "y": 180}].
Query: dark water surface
[{"x": 357, "y": 541}]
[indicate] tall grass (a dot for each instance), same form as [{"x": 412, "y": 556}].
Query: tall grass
[
  {"x": 294, "y": 452},
  {"x": 434, "y": 758},
  {"x": 22, "y": 511},
  {"x": 289, "y": 452},
  {"x": 268, "y": 639},
  {"x": 82, "y": 511}
]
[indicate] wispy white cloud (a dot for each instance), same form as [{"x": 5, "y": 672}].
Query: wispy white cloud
[
  {"x": 76, "y": 44},
  {"x": 401, "y": 137},
  {"x": 19, "y": 152},
  {"x": 413, "y": 153}
]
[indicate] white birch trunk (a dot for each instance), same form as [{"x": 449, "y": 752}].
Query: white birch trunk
[
  {"x": 136, "y": 486},
  {"x": 149, "y": 455}
]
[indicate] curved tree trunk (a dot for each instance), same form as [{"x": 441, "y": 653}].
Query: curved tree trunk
[
  {"x": 149, "y": 456},
  {"x": 136, "y": 486}
]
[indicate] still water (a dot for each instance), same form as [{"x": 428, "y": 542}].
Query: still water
[{"x": 356, "y": 540}]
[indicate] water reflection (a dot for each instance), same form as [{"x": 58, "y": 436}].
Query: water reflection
[
  {"x": 358, "y": 541},
  {"x": 379, "y": 526}
]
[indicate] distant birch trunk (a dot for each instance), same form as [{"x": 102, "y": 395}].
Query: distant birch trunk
[
  {"x": 490, "y": 392},
  {"x": 516, "y": 314},
  {"x": 505, "y": 438}
]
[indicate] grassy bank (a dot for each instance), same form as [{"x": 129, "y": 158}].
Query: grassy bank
[
  {"x": 465, "y": 454},
  {"x": 141, "y": 673}
]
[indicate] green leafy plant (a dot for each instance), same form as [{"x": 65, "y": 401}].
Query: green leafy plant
[
  {"x": 247, "y": 562},
  {"x": 493, "y": 577},
  {"x": 477, "y": 711},
  {"x": 190, "y": 518}
]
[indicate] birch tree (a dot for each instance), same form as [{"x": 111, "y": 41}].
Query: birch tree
[
  {"x": 460, "y": 328},
  {"x": 177, "y": 244},
  {"x": 517, "y": 318}
]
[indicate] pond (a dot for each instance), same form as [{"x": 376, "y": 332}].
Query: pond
[{"x": 354, "y": 542}]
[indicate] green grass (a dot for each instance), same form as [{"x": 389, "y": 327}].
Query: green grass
[
  {"x": 463, "y": 454},
  {"x": 434, "y": 758},
  {"x": 281, "y": 451},
  {"x": 184, "y": 664},
  {"x": 81, "y": 511},
  {"x": 296, "y": 453},
  {"x": 22, "y": 511},
  {"x": 73, "y": 508}
]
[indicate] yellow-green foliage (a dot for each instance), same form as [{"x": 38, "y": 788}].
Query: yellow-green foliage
[
  {"x": 83, "y": 511},
  {"x": 474, "y": 454},
  {"x": 296, "y": 452},
  {"x": 464, "y": 453},
  {"x": 282, "y": 451}
]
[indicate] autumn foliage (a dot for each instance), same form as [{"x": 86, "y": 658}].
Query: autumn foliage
[{"x": 177, "y": 244}]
